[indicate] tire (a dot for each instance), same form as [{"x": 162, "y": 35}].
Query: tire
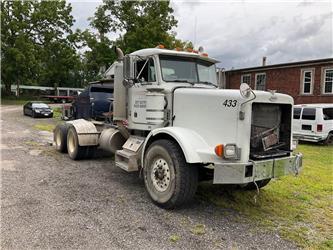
[
  {"x": 252, "y": 186},
  {"x": 75, "y": 151},
  {"x": 60, "y": 137},
  {"x": 33, "y": 114},
  {"x": 90, "y": 152},
  {"x": 329, "y": 139},
  {"x": 169, "y": 180}
]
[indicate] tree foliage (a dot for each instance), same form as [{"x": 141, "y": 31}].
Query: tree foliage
[
  {"x": 143, "y": 24},
  {"x": 36, "y": 44},
  {"x": 39, "y": 47}
]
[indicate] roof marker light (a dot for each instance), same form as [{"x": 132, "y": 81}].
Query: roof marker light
[{"x": 160, "y": 46}]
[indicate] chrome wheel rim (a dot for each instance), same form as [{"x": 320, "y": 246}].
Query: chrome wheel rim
[
  {"x": 160, "y": 175},
  {"x": 71, "y": 142}
]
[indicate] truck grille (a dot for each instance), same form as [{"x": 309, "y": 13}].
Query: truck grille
[{"x": 270, "y": 130}]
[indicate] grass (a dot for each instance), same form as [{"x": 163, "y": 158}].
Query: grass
[
  {"x": 174, "y": 238},
  {"x": 13, "y": 100},
  {"x": 299, "y": 208},
  {"x": 198, "y": 229},
  {"x": 45, "y": 126},
  {"x": 57, "y": 113}
]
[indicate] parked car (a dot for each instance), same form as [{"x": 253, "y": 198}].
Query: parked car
[
  {"x": 37, "y": 109},
  {"x": 93, "y": 102},
  {"x": 313, "y": 122}
]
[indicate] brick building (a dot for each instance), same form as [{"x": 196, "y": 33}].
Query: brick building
[{"x": 307, "y": 81}]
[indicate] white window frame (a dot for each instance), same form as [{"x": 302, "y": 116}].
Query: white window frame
[
  {"x": 258, "y": 74},
  {"x": 323, "y": 81},
  {"x": 303, "y": 71},
  {"x": 245, "y": 75}
]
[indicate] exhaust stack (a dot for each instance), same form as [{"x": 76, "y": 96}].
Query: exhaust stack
[{"x": 120, "y": 54}]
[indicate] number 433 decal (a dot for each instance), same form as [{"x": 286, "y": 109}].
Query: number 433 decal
[{"x": 230, "y": 103}]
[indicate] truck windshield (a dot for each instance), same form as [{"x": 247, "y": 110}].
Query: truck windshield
[
  {"x": 192, "y": 70},
  {"x": 101, "y": 93}
]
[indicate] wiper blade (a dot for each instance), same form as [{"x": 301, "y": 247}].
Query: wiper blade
[
  {"x": 179, "y": 80},
  {"x": 207, "y": 83}
]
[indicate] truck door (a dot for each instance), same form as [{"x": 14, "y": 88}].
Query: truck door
[
  {"x": 308, "y": 121},
  {"x": 145, "y": 72}
]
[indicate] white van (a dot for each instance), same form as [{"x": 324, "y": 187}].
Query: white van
[{"x": 313, "y": 122}]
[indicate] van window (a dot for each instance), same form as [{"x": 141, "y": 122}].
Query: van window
[
  {"x": 309, "y": 114},
  {"x": 328, "y": 113},
  {"x": 297, "y": 113}
]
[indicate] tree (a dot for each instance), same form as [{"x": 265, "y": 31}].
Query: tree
[
  {"x": 143, "y": 24},
  {"x": 98, "y": 56},
  {"x": 17, "y": 47},
  {"x": 37, "y": 43}
]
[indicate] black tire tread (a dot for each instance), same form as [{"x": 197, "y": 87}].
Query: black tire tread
[
  {"x": 188, "y": 175},
  {"x": 81, "y": 151},
  {"x": 63, "y": 129}
]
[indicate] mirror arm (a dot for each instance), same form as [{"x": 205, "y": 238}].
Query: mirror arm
[{"x": 241, "y": 112}]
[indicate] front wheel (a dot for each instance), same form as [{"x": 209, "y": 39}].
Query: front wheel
[{"x": 169, "y": 180}]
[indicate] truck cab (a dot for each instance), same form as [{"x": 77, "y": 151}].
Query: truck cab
[{"x": 173, "y": 123}]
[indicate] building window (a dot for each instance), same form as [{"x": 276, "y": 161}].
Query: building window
[
  {"x": 307, "y": 80},
  {"x": 246, "y": 79},
  {"x": 328, "y": 81},
  {"x": 261, "y": 81}
]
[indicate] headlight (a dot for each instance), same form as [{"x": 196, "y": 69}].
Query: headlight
[
  {"x": 37, "y": 111},
  {"x": 294, "y": 144},
  {"x": 231, "y": 152},
  {"x": 51, "y": 111}
]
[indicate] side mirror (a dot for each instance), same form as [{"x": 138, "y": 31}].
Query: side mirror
[
  {"x": 245, "y": 90},
  {"x": 128, "y": 67}
]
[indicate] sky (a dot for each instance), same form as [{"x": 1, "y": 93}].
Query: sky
[{"x": 240, "y": 33}]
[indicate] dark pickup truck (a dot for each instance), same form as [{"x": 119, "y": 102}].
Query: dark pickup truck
[{"x": 95, "y": 102}]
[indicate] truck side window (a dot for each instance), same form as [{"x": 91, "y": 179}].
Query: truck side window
[
  {"x": 297, "y": 113},
  {"x": 309, "y": 114},
  {"x": 148, "y": 72}
]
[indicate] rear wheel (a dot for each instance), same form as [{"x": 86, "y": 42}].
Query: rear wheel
[
  {"x": 60, "y": 137},
  {"x": 75, "y": 151},
  {"x": 90, "y": 152},
  {"x": 329, "y": 139},
  {"x": 169, "y": 180}
]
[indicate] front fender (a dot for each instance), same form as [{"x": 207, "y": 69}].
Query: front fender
[{"x": 194, "y": 147}]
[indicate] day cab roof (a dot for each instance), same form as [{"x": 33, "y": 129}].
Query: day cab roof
[
  {"x": 158, "y": 51},
  {"x": 315, "y": 105}
]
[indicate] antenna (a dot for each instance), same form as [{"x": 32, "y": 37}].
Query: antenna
[{"x": 195, "y": 31}]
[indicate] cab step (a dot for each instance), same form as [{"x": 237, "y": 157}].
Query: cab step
[{"x": 128, "y": 158}]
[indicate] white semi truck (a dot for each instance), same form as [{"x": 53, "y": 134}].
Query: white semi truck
[{"x": 172, "y": 122}]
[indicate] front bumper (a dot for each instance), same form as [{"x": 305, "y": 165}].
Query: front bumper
[{"x": 235, "y": 173}]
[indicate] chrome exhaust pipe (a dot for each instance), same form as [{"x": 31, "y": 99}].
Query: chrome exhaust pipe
[{"x": 120, "y": 54}]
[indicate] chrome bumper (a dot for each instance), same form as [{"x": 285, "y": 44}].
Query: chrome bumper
[
  {"x": 235, "y": 173},
  {"x": 312, "y": 138}
]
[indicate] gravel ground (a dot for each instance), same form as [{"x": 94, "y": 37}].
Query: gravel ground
[{"x": 50, "y": 201}]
